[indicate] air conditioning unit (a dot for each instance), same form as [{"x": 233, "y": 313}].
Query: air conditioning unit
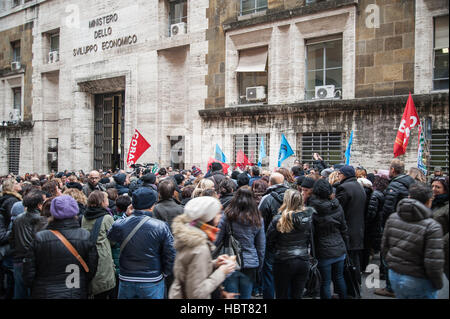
[
  {"x": 178, "y": 28},
  {"x": 53, "y": 56},
  {"x": 324, "y": 92},
  {"x": 52, "y": 157},
  {"x": 15, "y": 65},
  {"x": 255, "y": 93}
]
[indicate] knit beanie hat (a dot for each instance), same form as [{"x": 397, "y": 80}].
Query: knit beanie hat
[
  {"x": 64, "y": 207},
  {"x": 348, "y": 171},
  {"x": 196, "y": 171},
  {"x": 179, "y": 178},
  {"x": 308, "y": 182},
  {"x": 322, "y": 189},
  {"x": 149, "y": 178},
  {"x": 144, "y": 198},
  {"x": 203, "y": 208},
  {"x": 120, "y": 178}
]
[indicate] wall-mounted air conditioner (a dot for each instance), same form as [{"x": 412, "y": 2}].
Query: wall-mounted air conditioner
[
  {"x": 178, "y": 28},
  {"x": 324, "y": 92},
  {"x": 255, "y": 93},
  {"x": 15, "y": 65},
  {"x": 53, "y": 56}
]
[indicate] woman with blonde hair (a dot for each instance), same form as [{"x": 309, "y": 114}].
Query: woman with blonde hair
[
  {"x": 203, "y": 184},
  {"x": 80, "y": 198},
  {"x": 288, "y": 238}
]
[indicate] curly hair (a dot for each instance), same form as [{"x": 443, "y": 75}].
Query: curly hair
[{"x": 76, "y": 194}]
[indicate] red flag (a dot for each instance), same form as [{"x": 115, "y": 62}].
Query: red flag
[
  {"x": 224, "y": 165},
  {"x": 410, "y": 120},
  {"x": 241, "y": 160},
  {"x": 138, "y": 146}
]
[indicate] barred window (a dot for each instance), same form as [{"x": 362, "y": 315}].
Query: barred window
[
  {"x": 249, "y": 144},
  {"x": 13, "y": 155},
  {"x": 252, "y": 6},
  {"x": 439, "y": 150},
  {"x": 328, "y": 144}
]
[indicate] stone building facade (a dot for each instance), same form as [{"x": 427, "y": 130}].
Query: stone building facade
[{"x": 94, "y": 71}]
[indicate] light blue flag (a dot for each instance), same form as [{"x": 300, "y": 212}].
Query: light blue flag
[
  {"x": 219, "y": 155},
  {"x": 285, "y": 150},
  {"x": 262, "y": 152},
  {"x": 348, "y": 150}
]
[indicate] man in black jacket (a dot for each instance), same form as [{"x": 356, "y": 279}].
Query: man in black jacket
[
  {"x": 24, "y": 228},
  {"x": 397, "y": 190},
  {"x": 352, "y": 198},
  {"x": 167, "y": 207},
  {"x": 217, "y": 175}
]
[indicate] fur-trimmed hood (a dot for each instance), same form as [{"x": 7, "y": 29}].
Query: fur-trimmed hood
[
  {"x": 15, "y": 194},
  {"x": 186, "y": 235}
]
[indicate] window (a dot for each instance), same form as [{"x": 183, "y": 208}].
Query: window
[
  {"x": 252, "y": 6},
  {"x": 440, "y": 66},
  {"x": 323, "y": 65},
  {"x": 17, "y": 100},
  {"x": 252, "y": 75},
  {"x": 15, "y": 3},
  {"x": 249, "y": 144},
  {"x": 178, "y": 11},
  {"x": 328, "y": 145},
  {"x": 439, "y": 150},
  {"x": 54, "y": 42},
  {"x": 52, "y": 154},
  {"x": 13, "y": 155},
  {"x": 16, "y": 51},
  {"x": 177, "y": 152}
]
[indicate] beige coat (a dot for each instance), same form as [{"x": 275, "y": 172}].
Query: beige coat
[{"x": 195, "y": 277}]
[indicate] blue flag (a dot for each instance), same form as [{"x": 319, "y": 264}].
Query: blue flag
[
  {"x": 285, "y": 150},
  {"x": 262, "y": 152},
  {"x": 348, "y": 150},
  {"x": 219, "y": 155}
]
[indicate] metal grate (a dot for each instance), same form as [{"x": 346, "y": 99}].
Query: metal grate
[
  {"x": 249, "y": 143},
  {"x": 13, "y": 155},
  {"x": 439, "y": 150},
  {"x": 328, "y": 145}
]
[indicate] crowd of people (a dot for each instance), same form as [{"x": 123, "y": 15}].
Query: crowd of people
[{"x": 109, "y": 235}]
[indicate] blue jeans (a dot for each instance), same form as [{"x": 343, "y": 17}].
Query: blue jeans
[
  {"x": 240, "y": 283},
  {"x": 141, "y": 290},
  {"x": 409, "y": 287},
  {"x": 267, "y": 276},
  {"x": 332, "y": 269},
  {"x": 20, "y": 291}
]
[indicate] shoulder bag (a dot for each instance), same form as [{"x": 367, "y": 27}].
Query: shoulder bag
[
  {"x": 314, "y": 278},
  {"x": 230, "y": 246},
  {"x": 72, "y": 249}
]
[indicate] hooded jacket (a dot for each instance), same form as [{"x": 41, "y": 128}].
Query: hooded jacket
[
  {"x": 271, "y": 202},
  {"x": 374, "y": 230},
  {"x": 412, "y": 242},
  {"x": 330, "y": 228},
  {"x": 397, "y": 190},
  {"x": 194, "y": 273}
]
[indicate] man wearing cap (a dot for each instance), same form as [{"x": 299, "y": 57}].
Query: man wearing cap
[
  {"x": 148, "y": 256},
  {"x": 352, "y": 198},
  {"x": 437, "y": 173},
  {"x": 307, "y": 189},
  {"x": 93, "y": 184}
]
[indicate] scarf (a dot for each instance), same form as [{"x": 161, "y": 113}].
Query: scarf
[
  {"x": 439, "y": 201},
  {"x": 209, "y": 230}
]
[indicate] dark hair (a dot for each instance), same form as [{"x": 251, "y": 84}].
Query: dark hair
[
  {"x": 227, "y": 186},
  {"x": 162, "y": 171},
  {"x": 287, "y": 174},
  {"x": 443, "y": 180},
  {"x": 260, "y": 186},
  {"x": 255, "y": 170},
  {"x": 243, "y": 209},
  {"x": 112, "y": 193},
  {"x": 216, "y": 167},
  {"x": 296, "y": 170},
  {"x": 209, "y": 192},
  {"x": 166, "y": 189},
  {"x": 122, "y": 203},
  {"x": 421, "y": 192},
  {"x": 46, "y": 207},
  {"x": 234, "y": 175},
  {"x": 243, "y": 179},
  {"x": 96, "y": 199},
  {"x": 51, "y": 187},
  {"x": 380, "y": 183},
  {"x": 187, "y": 191},
  {"x": 28, "y": 188},
  {"x": 33, "y": 199},
  {"x": 322, "y": 189}
]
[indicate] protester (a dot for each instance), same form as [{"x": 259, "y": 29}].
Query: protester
[
  {"x": 242, "y": 180},
  {"x": 288, "y": 177},
  {"x": 255, "y": 175},
  {"x": 352, "y": 198},
  {"x": 98, "y": 221},
  {"x": 226, "y": 189},
  {"x": 217, "y": 175},
  {"x": 307, "y": 188},
  {"x": 81, "y": 200},
  {"x": 46, "y": 263},
  {"x": 93, "y": 184},
  {"x": 201, "y": 186},
  {"x": 147, "y": 251},
  {"x": 413, "y": 248},
  {"x": 244, "y": 220},
  {"x": 186, "y": 193},
  {"x": 417, "y": 175},
  {"x": 167, "y": 208},
  {"x": 330, "y": 238},
  {"x": 288, "y": 239},
  {"x": 334, "y": 180},
  {"x": 73, "y": 183},
  {"x": 366, "y": 253},
  {"x": 196, "y": 275},
  {"x": 259, "y": 188}
]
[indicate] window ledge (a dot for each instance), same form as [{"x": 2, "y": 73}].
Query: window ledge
[{"x": 248, "y": 16}]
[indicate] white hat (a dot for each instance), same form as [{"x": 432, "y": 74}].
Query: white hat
[{"x": 203, "y": 208}]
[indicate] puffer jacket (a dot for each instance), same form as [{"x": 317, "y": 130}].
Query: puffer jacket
[
  {"x": 330, "y": 228},
  {"x": 24, "y": 228},
  {"x": 167, "y": 210},
  {"x": 271, "y": 202},
  {"x": 194, "y": 273},
  {"x": 104, "y": 279},
  {"x": 440, "y": 214},
  {"x": 149, "y": 254},
  {"x": 397, "y": 190},
  {"x": 251, "y": 238},
  {"x": 294, "y": 244},
  {"x": 374, "y": 230},
  {"x": 412, "y": 242},
  {"x": 352, "y": 197},
  {"x": 45, "y": 266}
]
